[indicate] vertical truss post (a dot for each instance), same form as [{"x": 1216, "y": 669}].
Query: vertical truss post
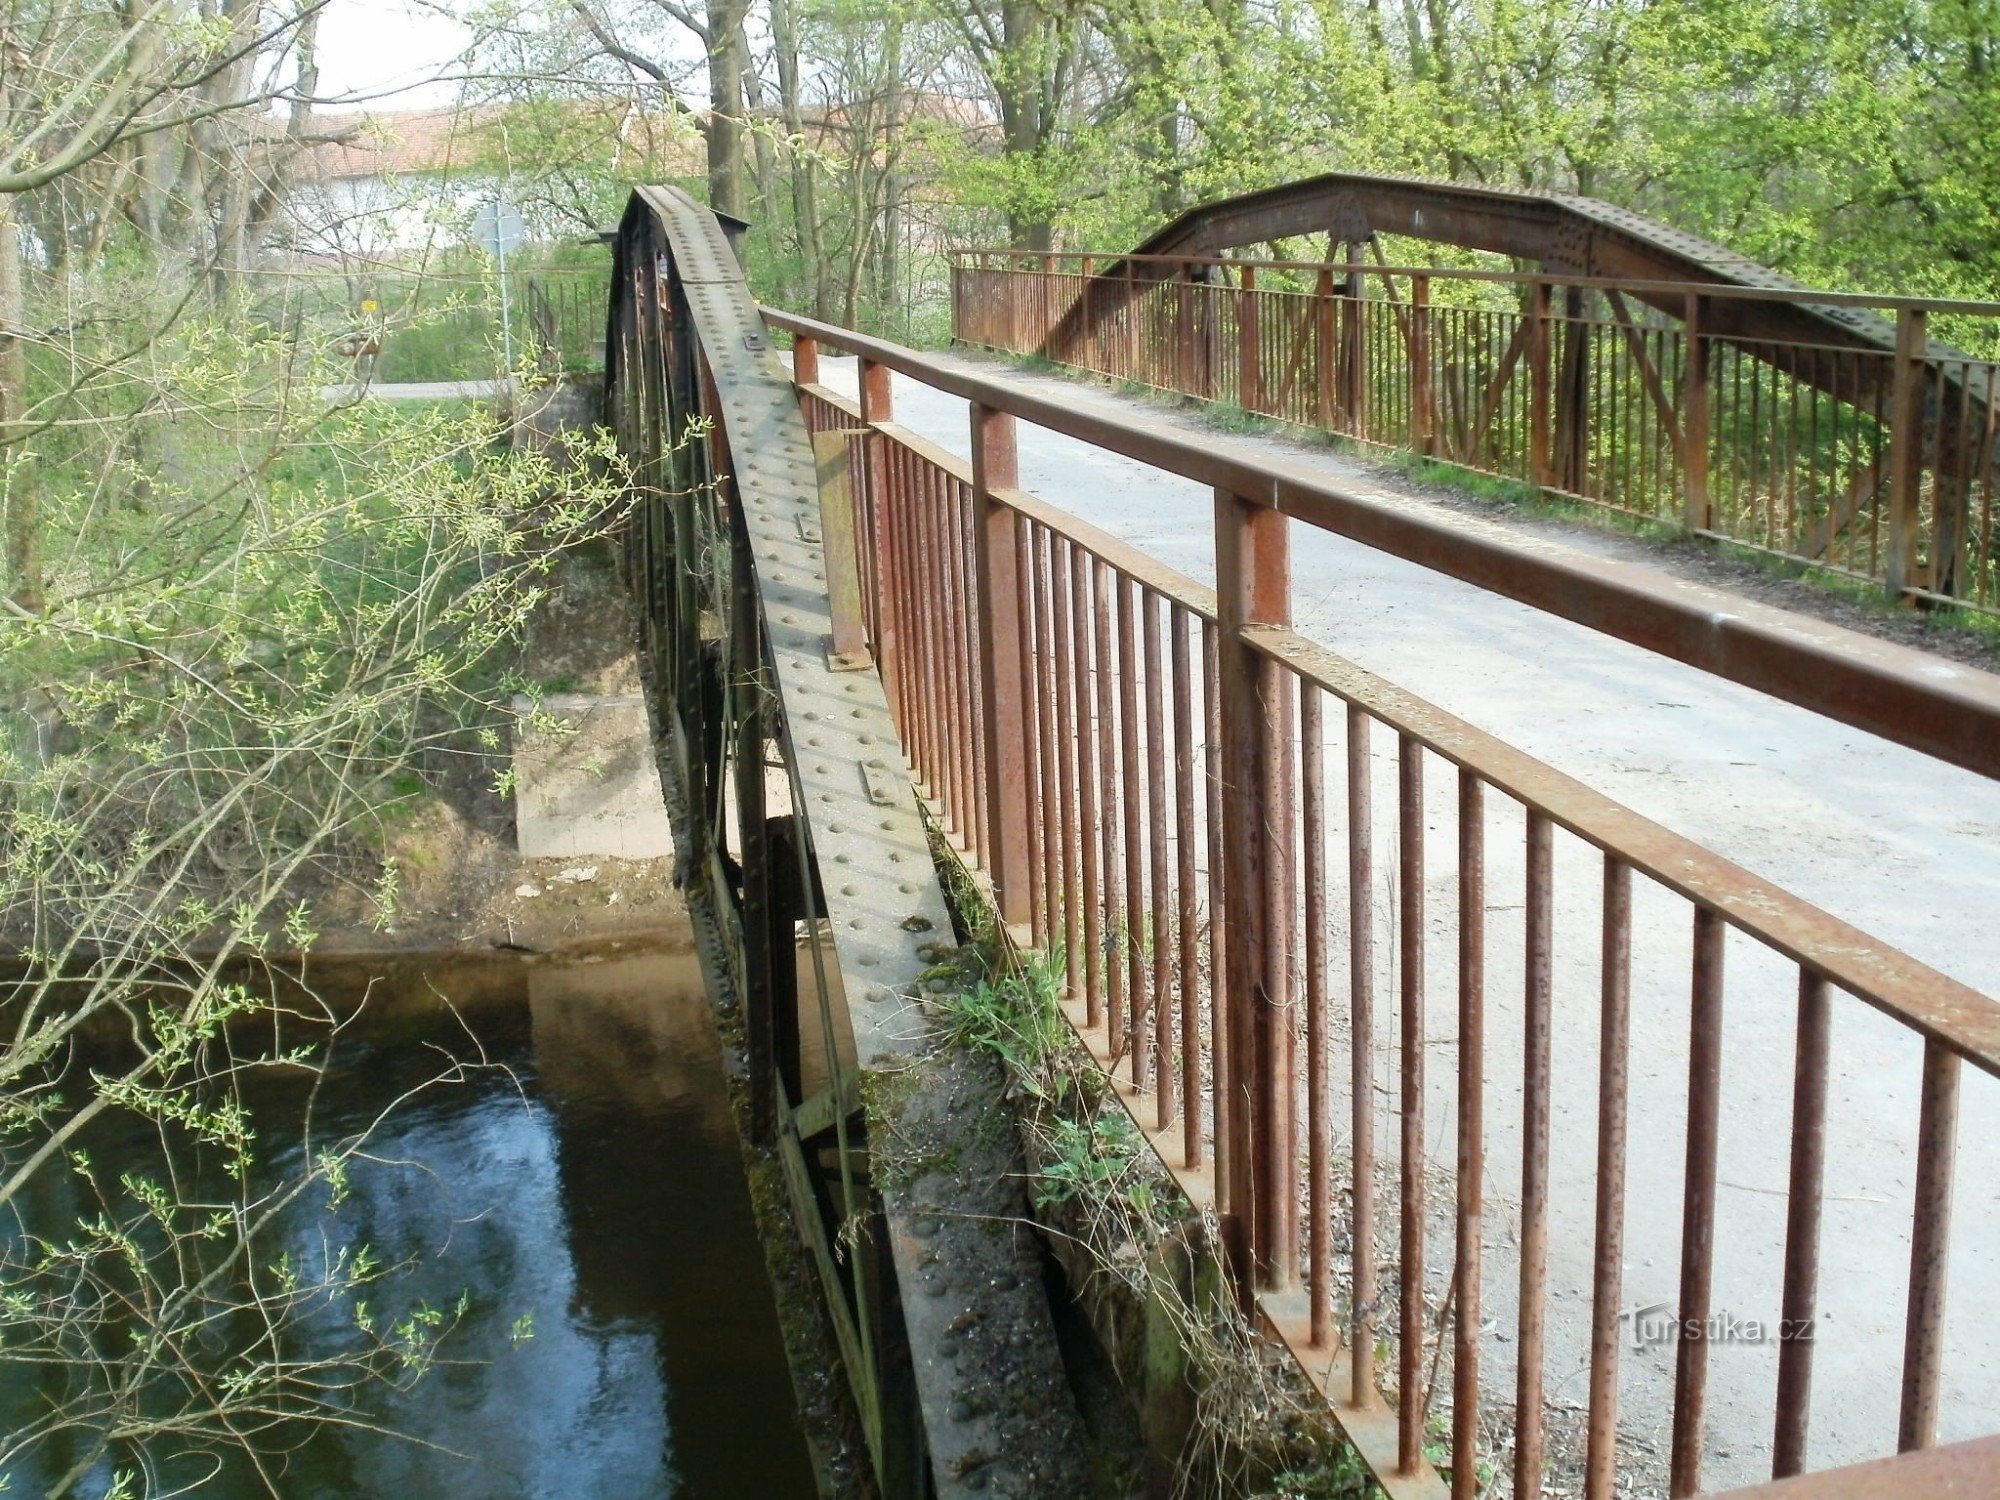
[
  {"x": 1047, "y": 322},
  {"x": 705, "y": 690},
  {"x": 1541, "y": 463},
  {"x": 1698, "y": 511},
  {"x": 1572, "y": 403},
  {"x": 877, "y": 480},
  {"x": 787, "y": 904},
  {"x": 1249, "y": 353},
  {"x": 1323, "y": 309},
  {"x": 1089, "y": 360},
  {"x": 1906, "y": 449},
  {"x": 1003, "y": 661},
  {"x": 1354, "y": 349},
  {"x": 1017, "y": 299},
  {"x": 1207, "y": 324},
  {"x": 805, "y": 350},
  {"x": 1422, "y": 415},
  {"x": 1183, "y": 363},
  {"x": 1253, "y": 587},
  {"x": 746, "y": 690},
  {"x": 839, "y": 542}
]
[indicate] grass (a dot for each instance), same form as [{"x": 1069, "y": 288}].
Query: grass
[{"x": 1094, "y": 1183}]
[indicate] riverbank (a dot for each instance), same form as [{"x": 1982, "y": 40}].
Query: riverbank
[{"x": 556, "y": 841}]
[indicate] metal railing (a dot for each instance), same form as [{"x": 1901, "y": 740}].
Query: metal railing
[
  {"x": 566, "y": 319},
  {"x": 1174, "y": 793},
  {"x": 1878, "y": 461}
]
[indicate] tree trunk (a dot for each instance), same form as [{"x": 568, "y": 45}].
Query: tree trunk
[
  {"x": 23, "y": 523},
  {"x": 808, "y": 236},
  {"x": 725, "y": 106},
  {"x": 757, "y": 122},
  {"x": 892, "y": 175},
  {"x": 1017, "y": 76}
]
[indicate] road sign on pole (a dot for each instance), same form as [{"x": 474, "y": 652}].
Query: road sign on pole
[{"x": 499, "y": 228}]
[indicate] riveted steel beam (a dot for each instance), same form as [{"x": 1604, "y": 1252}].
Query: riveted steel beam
[
  {"x": 689, "y": 343},
  {"x": 1565, "y": 234}
]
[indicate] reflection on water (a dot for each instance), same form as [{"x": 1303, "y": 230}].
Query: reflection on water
[{"x": 588, "y": 1180}]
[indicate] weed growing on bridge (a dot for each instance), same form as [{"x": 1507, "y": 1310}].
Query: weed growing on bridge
[{"x": 1135, "y": 1250}]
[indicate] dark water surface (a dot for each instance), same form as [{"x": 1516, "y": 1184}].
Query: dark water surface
[{"x": 586, "y": 1176}]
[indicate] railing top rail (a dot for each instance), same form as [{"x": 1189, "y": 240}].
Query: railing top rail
[
  {"x": 1956, "y": 1469},
  {"x": 1719, "y": 290},
  {"x": 774, "y": 492},
  {"x": 1908, "y": 697}
]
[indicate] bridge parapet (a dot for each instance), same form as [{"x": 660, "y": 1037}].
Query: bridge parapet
[{"x": 1802, "y": 423}]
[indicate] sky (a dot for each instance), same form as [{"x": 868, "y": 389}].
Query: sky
[{"x": 369, "y": 48}]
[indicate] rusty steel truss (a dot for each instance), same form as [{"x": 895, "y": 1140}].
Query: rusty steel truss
[
  {"x": 1168, "y": 789},
  {"x": 794, "y": 812},
  {"x": 1565, "y": 234},
  {"x": 1638, "y": 368}
]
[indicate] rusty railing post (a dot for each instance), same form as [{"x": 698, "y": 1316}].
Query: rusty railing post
[
  {"x": 1697, "y": 511},
  {"x": 1253, "y": 586},
  {"x": 1541, "y": 459},
  {"x": 1807, "y": 1189},
  {"x": 1422, "y": 422},
  {"x": 877, "y": 405},
  {"x": 840, "y": 546},
  {"x": 805, "y": 350},
  {"x": 1697, "y": 1272},
  {"x": 1930, "y": 1250},
  {"x": 1003, "y": 661},
  {"x": 1572, "y": 398},
  {"x": 1323, "y": 325},
  {"x": 1906, "y": 449},
  {"x": 874, "y": 505},
  {"x": 1354, "y": 349},
  {"x": 1249, "y": 351}
]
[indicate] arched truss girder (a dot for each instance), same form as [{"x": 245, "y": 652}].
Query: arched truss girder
[{"x": 1562, "y": 233}]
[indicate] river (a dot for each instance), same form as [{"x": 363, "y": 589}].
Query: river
[{"x": 562, "y": 1158}]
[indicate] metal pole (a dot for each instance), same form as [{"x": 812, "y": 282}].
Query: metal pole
[
  {"x": 506, "y": 304},
  {"x": 1906, "y": 449},
  {"x": 1253, "y": 578},
  {"x": 1003, "y": 651}
]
